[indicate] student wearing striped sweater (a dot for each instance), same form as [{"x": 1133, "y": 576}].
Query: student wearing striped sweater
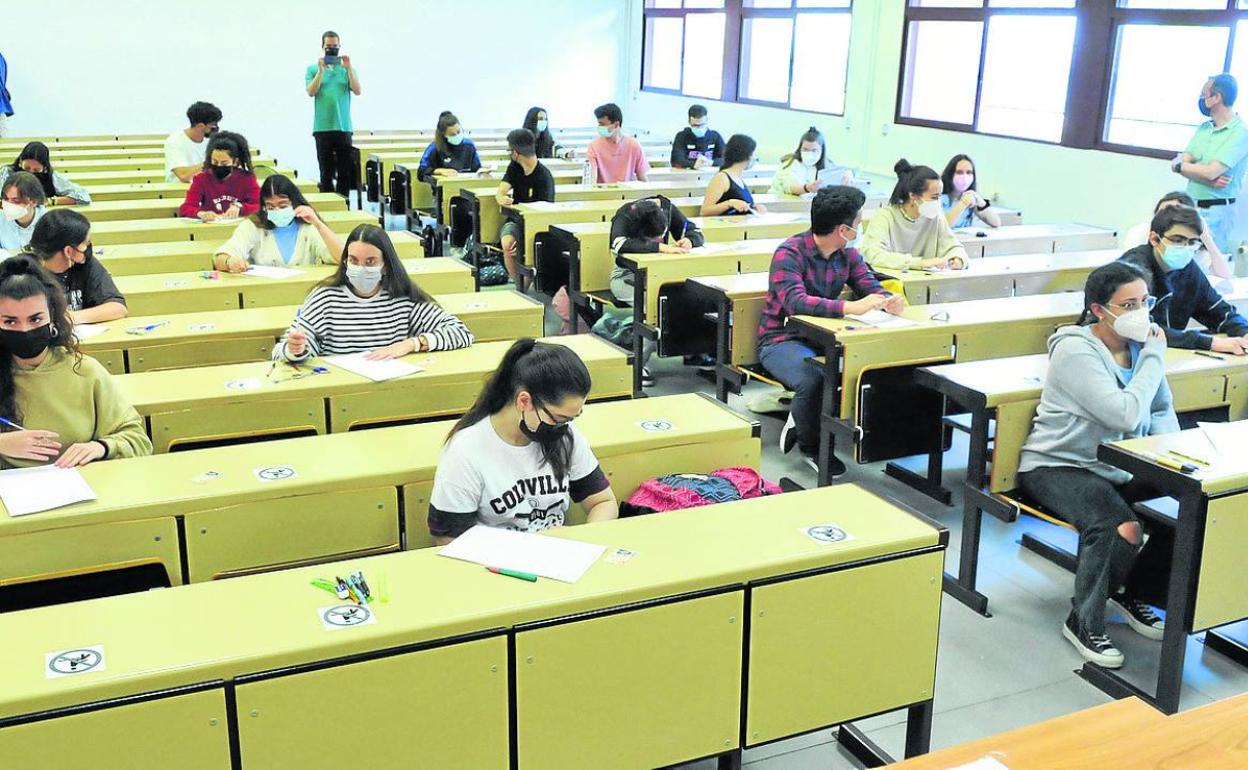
[{"x": 370, "y": 306}]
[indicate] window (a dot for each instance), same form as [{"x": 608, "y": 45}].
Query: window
[
  {"x": 1011, "y": 68},
  {"x": 786, "y": 53}
]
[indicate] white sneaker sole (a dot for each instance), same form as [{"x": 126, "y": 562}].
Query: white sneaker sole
[
  {"x": 1104, "y": 661},
  {"x": 1156, "y": 633},
  {"x": 788, "y": 437}
]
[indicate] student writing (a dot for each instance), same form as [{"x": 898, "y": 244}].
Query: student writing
[{"x": 227, "y": 187}]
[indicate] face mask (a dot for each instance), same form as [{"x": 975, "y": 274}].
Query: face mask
[
  {"x": 281, "y": 217},
  {"x": 1200, "y": 105},
  {"x": 810, "y": 158},
  {"x": 221, "y": 172},
  {"x": 1177, "y": 257},
  {"x": 930, "y": 209},
  {"x": 544, "y": 433},
  {"x": 87, "y": 253},
  {"x": 604, "y": 131},
  {"x": 456, "y": 140},
  {"x": 27, "y": 344},
  {"x": 963, "y": 182},
  {"x": 1133, "y": 325},
  {"x": 541, "y": 126},
  {"x": 699, "y": 131},
  {"x": 364, "y": 279},
  {"x": 854, "y": 243},
  {"x": 14, "y": 212}
]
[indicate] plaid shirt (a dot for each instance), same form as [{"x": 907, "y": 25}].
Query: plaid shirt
[{"x": 804, "y": 282}]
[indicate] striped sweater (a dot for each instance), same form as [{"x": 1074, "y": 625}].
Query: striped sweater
[{"x": 337, "y": 322}]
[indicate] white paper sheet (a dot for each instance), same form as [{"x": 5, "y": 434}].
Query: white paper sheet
[
  {"x": 31, "y": 490},
  {"x": 1228, "y": 439},
  {"x": 377, "y": 371},
  {"x": 87, "y": 331},
  {"x": 266, "y": 271},
  {"x": 541, "y": 555},
  {"x": 881, "y": 319}
]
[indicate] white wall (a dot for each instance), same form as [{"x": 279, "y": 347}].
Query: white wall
[{"x": 142, "y": 62}]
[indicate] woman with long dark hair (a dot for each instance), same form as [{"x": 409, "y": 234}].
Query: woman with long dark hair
[
  {"x": 450, "y": 153},
  {"x": 36, "y": 160},
  {"x": 728, "y": 192},
  {"x": 537, "y": 120},
  {"x": 516, "y": 460},
  {"x": 911, "y": 231},
  {"x": 285, "y": 231},
  {"x": 62, "y": 242},
  {"x": 58, "y": 405},
  {"x": 370, "y": 305},
  {"x": 961, "y": 199}
]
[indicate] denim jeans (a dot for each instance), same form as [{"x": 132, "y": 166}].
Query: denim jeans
[
  {"x": 1107, "y": 562},
  {"x": 789, "y": 362}
]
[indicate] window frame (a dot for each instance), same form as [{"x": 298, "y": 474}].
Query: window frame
[
  {"x": 736, "y": 12},
  {"x": 1089, "y": 88}
]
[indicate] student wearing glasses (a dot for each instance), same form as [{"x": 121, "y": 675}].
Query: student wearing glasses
[
  {"x": 516, "y": 460},
  {"x": 1183, "y": 292}
]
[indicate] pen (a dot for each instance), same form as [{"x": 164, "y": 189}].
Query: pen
[
  {"x": 156, "y": 325},
  {"x": 11, "y": 424},
  {"x": 1174, "y": 465},
  {"x": 368, "y": 592},
  {"x": 357, "y": 582},
  {"x": 1188, "y": 457},
  {"x": 513, "y": 573},
  {"x": 1207, "y": 354}
]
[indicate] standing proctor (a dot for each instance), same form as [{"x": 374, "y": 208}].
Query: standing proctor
[
  {"x": 1215, "y": 159},
  {"x": 6, "y": 99},
  {"x": 331, "y": 81}
]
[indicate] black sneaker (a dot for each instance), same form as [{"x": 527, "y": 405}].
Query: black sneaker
[
  {"x": 1094, "y": 648},
  {"x": 647, "y": 379},
  {"x": 1140, "y": 617},
  {"x": 836, "y": 468},
  {"x": 704, "y": 361}
]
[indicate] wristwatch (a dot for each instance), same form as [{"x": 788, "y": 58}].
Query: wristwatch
[{"x": 1176, "y": 165}]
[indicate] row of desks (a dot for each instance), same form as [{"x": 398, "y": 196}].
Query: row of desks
[
  {"x": 166, "y": 207},
  {"x": 90, "y": 179},
  {"x": 136, "y": 231},
  {"x": 101, "y": 193}
]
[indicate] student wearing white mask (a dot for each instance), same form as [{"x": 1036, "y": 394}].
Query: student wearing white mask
[
  {"x": 697, "y": 145},
  {"x": 370, "y": 305},
  {"x": 799, "y": 170},
  {"x": 912, "y": 232},
  {"x": 961, "y": 200},
  {"x": 22, "y": 203},
  {"x": 1182, "y": 290},
  {"x": 1106, "y": 381},
  {"x": 285, "y": 232}
]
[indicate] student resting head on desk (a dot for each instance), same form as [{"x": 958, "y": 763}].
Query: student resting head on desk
[
  {"x": 60, "y": 191},
  {"x": 525, "y": 181},
  {"x": 1106, "y": 381},
  {"x": 1183, "y": 292},
  {"x": 23, "y": 203},
  {"x": 808, "y": 273},
  {"x": 799, "y": 170},
  {"x": 727, "y": 192},
  {"x": 451, "y": 151},
  {"x": 911, "y": 232},
  {"x": 57, "y": 404},
  {"x": 961, "y": 201},
  {"x": 537, "y": 121},
  {"x": 227, "y": 187},
  {"x": 1210, "y": 258},
  {"x": 370, "y": 305},
  {"x": 285, "y": 232},
  {"x": 62, "y": 243},
  {"x": 516, "y": 460}
]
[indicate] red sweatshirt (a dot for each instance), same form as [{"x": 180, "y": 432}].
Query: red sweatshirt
[{"x": 207, "y": 194}]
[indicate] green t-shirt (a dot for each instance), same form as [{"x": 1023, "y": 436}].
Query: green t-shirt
[
  {"x": 333, "y": 102},
  {"x": 1227, "y": 145}
]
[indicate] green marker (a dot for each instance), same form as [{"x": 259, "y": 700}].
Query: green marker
[{"x": 513, "y": 573}]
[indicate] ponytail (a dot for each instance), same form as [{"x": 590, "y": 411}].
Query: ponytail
[
  {"x": 911, "y": 180},
  {"x": 813, "y": 134},
  {"x": 549, "y": 372}
]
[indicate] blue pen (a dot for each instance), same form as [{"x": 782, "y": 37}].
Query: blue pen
[{"x": 11, "y": 424}]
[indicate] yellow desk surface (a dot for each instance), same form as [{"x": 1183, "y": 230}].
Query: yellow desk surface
[
  {"x": 187, "y": 256},
  {"x": 1004, "y": 276},
  {"x": 158, "y": 230},
  {"x": 1228, "y": 471},
  {"x": 161, "y": 639},
  {"x": 220, "y": 336},
  {"x": 166, "y": 208},
  {"x": 713, "y": 258},
  {"x": 74, "y": 166},
  {"x": 187, "y": 406},
  {"x": 154, "y": 294},
  {"x": 151, "y": 176},
  {"x": 177, "y": 190},
  {"x": 15, "y": 145},
  {"x": 1030, "y": 239}
]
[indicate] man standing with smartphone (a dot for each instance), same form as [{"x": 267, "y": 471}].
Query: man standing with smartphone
[{"x": 330, "y": 82}]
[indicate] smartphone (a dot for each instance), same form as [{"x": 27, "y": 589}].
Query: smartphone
[{"x": 331, "y": 56}]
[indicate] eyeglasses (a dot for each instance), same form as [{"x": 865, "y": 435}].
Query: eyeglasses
[
  {"x": 1178, "y": 240},
  {"x": 557, "y": 419},
  {"x": 1132, "y": 305}
]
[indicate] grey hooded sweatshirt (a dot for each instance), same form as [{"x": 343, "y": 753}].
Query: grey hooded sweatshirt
[{"x": 1085, "y": 402}]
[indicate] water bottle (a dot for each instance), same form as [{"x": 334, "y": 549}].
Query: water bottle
[
  {"x": 1241, "y": 260},
  {"x": 587, "y": 173}
]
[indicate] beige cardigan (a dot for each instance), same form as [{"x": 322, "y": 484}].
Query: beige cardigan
[{"x": 258, "y": 247}]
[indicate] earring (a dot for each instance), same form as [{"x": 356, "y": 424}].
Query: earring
[{"x": 55, "y": 332}]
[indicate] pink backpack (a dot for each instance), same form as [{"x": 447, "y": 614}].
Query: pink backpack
[{"x": 690, "y": 490}]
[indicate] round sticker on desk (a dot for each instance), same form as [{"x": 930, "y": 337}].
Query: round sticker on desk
[
  {"x": 206, "y": 476},
  {"x": 346, "y": 616},
  {"x": 276, "y": 473},
  {"x": 71, "y": 662},
  {"x": 249, "y": 384},
  {"x": 827, "y": 533},
  {"x": 656, "y": 426},
  {"x": 200, "y": 327},
  {"x": 174, "y": 284},
  {"x": 476, "y": 306}
]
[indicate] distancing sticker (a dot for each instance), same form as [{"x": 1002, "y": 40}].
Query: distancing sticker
[
  {"x": 73, "y": 662},
  {"x": 342, "y": 616}
]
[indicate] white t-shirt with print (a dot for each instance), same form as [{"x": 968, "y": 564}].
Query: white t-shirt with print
[
  {"x": 181, "y": 151},
  {"x": 508, "y": 486}
]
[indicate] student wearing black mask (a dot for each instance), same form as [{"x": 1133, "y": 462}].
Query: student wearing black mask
[
  {"x": 227, "y": 187},
  {"x": 59, "y": 405},
  {"x": 34, "y": 159},
  {"x": 62, "y": 243},
  {"x": 516, "y": 460}
]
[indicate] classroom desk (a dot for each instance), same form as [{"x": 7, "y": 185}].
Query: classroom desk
[
  {"x": 193, "y": 292},
  {"x": 1005, "y": 276},
  {"x": 176, "y": 190},
  {"x": 132, "y": 231},
  {"x": 1031, "y": 239},
  {"x": 89, "y": 179},
  {"x": 167, "y": 208},
  {"x": 61, "y": 154},
  {"x": 75, "y": 166},
  {"x": 225, "y": 523},
  {"x": 870, "y": 398},
  {"x": 453, "y": 639},
  {"x": 234, "y": 336},
  {"x": 187, "y": 256},
  {"x": 1208, "y": 571},
  {"x": 216, "y": 403},
  {"x": 10, "y": 145},
  {"x": 1001, "y": 396}
]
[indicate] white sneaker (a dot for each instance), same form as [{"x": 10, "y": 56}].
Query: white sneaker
[{"x": 788, "y": 435}]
